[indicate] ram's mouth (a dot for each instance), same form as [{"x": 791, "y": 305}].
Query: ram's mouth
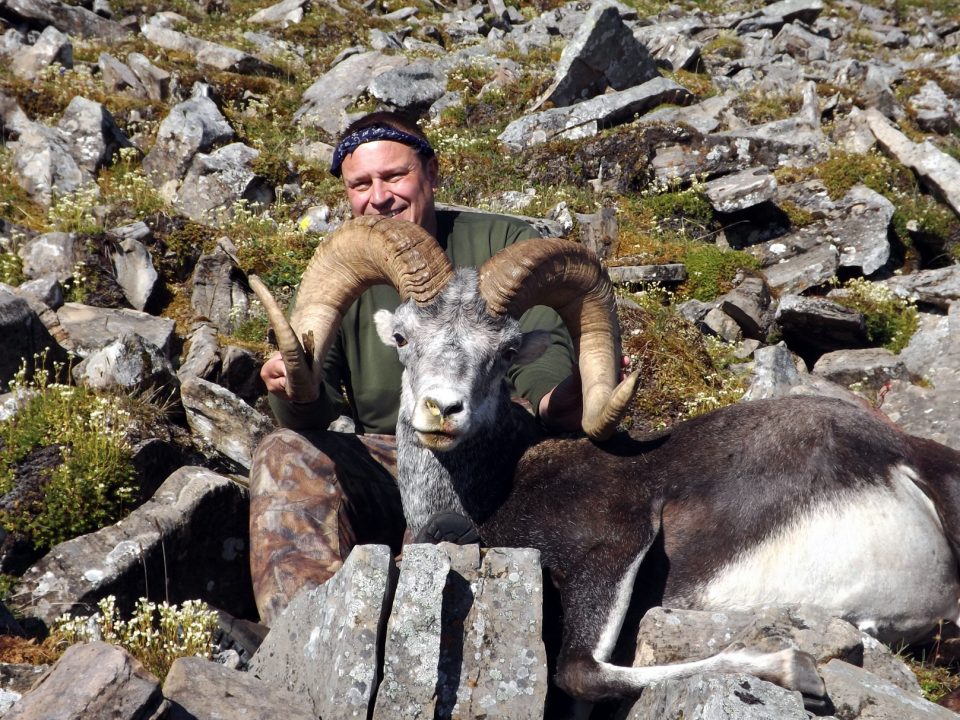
[{"x": 437, "y": 440}]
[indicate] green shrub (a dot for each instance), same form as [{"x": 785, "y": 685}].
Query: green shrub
[
  {"x": 155, "y": 634},
  {"x": 92, "y": 486},
  {"x": 891, "y": 320},
  {"x": 11, "y": 268},
  {"x": 711, "y": 270}
]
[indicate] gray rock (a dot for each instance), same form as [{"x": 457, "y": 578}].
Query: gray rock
[
  {"x": 219, "y": 290},
  {"x": 748, "y": 304},
  {"x": 708, "y": 697},
  {"x": 931, "y": 410},
  {"x": 208, "y": 53},
  {"x": 603, "y": 53},
  {"x": 193, "y": 126},
  {"x": 801, "y": 272},
  {"x": 410, "y": 88},
  {"x": 25, "y": 336},
  {"x": 72, "y": 20},
  {"x": 324, "y": 646},
  {"x": 599, "y": 232},
  {"x": 870, "y": 368},
  {"x": 326, "y": 101},
  {"x": 223, "y": 420},
  {"x": 50, "y": 255},
  {"x": 411, "y": 654},
  {"x": 93, "y": 328},
  {"x": 504, "y": 670},
  {"x": 938, "y": 287},
  {"x": 774, "y": 373},
  {"x": 46, "y": 290},
  {"x": 806, "y": 11},
  {"x": 586, "y": 118},
  {"x": 860, "y": 229},
  {"x": 155, "y": 81},
  {"x": 202, "y": 359},
  {"x": 717, "y": 322},
  {"x": 118, "y": 77},
  {"x": 16, "y": 680},
  {"x": 668, "y": 274},
  {"x": 51, "y": 47},
  {"x": 129, "y": 364},
  {"x": 135, "y": 271},
  {"x": 741, "y": 190},
  {"x": 879, "y": 660},
  {"x": 43, "y": 165},
  {"x": 282, "y": 14},
  {"x": 800, "y": 43},
  {"x": 218, "y": 180},
  {"x": 90, "y": 134},
  {"x": 165, "y": 544},
  {"x": 200, "y": 689},
  {"x": 13, "y": 120},
  {"x": 934, "y": 111},
  {"x": 937, "y": 170},
  {"x": 857, "y": 693},
  {"x": 93, "y": 680},
  {"x": 240, "y": 373},
  {"x": 704, "y": 117},
  {"x": 820, "y": 324}
]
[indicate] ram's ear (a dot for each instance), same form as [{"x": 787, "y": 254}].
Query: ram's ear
[
  {"x": 533, "y": 345},
  {"x": 383, "y": 320}
]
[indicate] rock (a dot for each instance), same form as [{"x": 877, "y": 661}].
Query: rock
[
  {"x": 774, "y": 373},
  {"x": 324, "y": 646},
  {"x": 934, "y": 111},
  {"x": 937, "y": 170},
  {"x": 43, "y": 166},
  {"x": 748, "y": 304},
  {"x": 861, "y": 235},
  {"x": 92, "y": 328},
  {"x": 704, "y": 117},
  {"x": 411, "y": 656},
  {"x": 217, "y": 181},
  {"x": 90, "y": 134},
  {"x": 741, "y": 190},
  {"x": 24, "y": 335},
  {"x": 801, "y": 272},
  {"x": 716, "y": 322},
  {"x": 223, "y": 420},
  {"x": 135, "y": 271},
  {"x": 586, "y": 118},
  {"x": 91, "y": 681},
  {"x": 50, "y": 255},
  {"x": 326, "y": 101},
  {"x": 199, "y": 689},
  {"x": 603, "y": 53},
  {"x": 16, "y": 680},
  {"x": 156, "y": 82},
  {"x": 938, "y": 287},
  {"x": 240, "y": 373},
  {"x": 870, "y": 368},
  {"x": 409, "y": 88},
  {"x": 191, "y": 127},
  {"x": 118, "y": 77},
  {"x": 164, "y": 547},
  {"x": 51, "y": 47},
  {"x": 669, "y": 274},
  {"x": 714, "y": 696},
  {"x": 209, "y": 53},
  {"x": 282, "y": 14},
  {"x": 202, "y": 358},
  {"x": 219, "y": 290},
  {"x": 857, "y": 693},
  {"x": 130, "y": 365},
  {"x": 820, "y": 325},
  {"x": 599, "y": 232},
  {"x": 69, "y": 19}
]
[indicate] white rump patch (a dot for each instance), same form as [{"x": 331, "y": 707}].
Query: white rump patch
[{"x": 877, "y": 557}]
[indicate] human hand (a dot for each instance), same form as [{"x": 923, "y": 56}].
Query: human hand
[
  {"x": 561, "y": 409},
  {"x": 274, "y": 375}
]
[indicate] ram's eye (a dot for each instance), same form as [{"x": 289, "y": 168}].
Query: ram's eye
[
  {"x": 399, "y": 339},
  {"x": 509, "y": 355}
]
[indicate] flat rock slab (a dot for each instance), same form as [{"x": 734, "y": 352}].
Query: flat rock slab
[
  {"x": 92, "y": 328},
  {"x": 939, "y": 287},
  {"x": 203, "y": 690},
  {"x": 741, "y": 190},
  {"x": 89, "y": 682},
  {"x": 859, "y": 694},
  {"x": 324, "y": 646}
]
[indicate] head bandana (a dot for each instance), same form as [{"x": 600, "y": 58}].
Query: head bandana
[{"x": 370, "y": 134}]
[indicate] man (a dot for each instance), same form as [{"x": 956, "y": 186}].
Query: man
[{"x": 315, "y": 494}]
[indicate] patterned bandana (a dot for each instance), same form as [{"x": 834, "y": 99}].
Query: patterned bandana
[{"x": 376, "y": 132}]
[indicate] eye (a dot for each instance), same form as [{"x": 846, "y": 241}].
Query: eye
[
  {"x": 399, "y": 339},
  {"x": 509, "y": 355}
]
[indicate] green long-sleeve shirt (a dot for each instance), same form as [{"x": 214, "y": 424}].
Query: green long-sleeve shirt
[{"x": 369, "y": 371}]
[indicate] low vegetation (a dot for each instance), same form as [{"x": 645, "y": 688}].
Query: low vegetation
[{"x": 891, "y": 320}]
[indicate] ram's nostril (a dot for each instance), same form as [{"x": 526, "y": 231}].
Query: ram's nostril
[{"x": 453, "y": 408}]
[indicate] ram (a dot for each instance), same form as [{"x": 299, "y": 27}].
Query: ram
[{"x": 799, "y": 500}]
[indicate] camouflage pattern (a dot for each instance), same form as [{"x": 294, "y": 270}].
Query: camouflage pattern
[{"x": 313, "y": 496}]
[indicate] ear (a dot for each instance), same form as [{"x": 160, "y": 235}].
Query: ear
[
  {"x": 433, "y": 172},
  {"x": 533, "y": 345},
  {"x": 383, "y": 320}
]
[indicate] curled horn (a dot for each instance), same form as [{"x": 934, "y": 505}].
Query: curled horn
[
  {"x": 365, "y": 251},
  {"x": 566, "y": 276}
]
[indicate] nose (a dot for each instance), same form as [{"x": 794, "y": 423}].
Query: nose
[
  {"x": 441, "y": 407},
  {"x": 380, "y": 195}
]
